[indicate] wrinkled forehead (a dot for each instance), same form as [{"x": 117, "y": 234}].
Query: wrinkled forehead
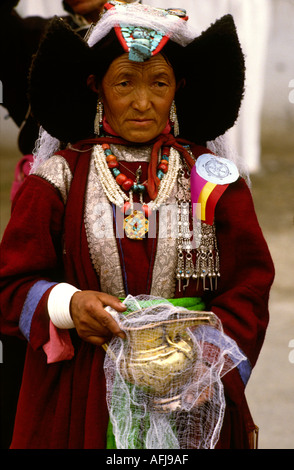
[{"x": 156, "y": 66}]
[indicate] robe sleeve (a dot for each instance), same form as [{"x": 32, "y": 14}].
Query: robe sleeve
[
  {"x": 247, "y": 273},
  {"x": 30, "y": 264}
]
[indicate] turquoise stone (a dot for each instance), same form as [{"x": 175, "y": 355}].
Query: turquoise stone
[
  {"x": 138, "y": 188},
  {"x": 138, "y": 34},
  {"x": 140, "y": 41},
  {"x": 139, "y": 52},
  {"x": 144, "y": 42},
  {"x": 115, "y": 171},
  {"x": 154, "y": 44}
]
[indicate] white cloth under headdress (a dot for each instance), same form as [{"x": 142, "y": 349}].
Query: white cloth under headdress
[{"x": 157, "y": 19}]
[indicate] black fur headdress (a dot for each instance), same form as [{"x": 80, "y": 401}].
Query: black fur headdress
[{"x": 211, "y": 66}]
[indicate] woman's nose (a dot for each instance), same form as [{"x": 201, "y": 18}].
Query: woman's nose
[{"x": 141, "y": 100}]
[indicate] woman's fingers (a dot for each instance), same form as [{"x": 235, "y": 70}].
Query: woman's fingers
[{"x": 92, "y": 321}]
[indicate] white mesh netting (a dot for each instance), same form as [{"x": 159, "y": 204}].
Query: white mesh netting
[{"x": 164, "y": 388}]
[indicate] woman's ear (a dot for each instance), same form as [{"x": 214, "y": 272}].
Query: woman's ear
[{"x": 92, "y": 84}]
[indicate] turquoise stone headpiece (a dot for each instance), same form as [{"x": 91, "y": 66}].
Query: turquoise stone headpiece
[{"x": 141, "y": 42}]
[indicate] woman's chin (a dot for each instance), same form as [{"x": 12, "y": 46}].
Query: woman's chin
[{"x": 140, "y": 134}]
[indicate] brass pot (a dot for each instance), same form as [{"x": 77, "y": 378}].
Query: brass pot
[{"x": 160, "y": 356}]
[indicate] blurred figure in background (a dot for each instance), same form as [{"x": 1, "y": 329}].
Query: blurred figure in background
[
  {"x": 24, "y": 35},
  {"x": 253, "y": 20}
]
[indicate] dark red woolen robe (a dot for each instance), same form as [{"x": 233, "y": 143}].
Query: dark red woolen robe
[{"x": 62, "y": 405}]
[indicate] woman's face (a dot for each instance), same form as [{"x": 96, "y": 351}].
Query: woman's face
[
  {"x": 137, "y": 97},
  {"x": 82, "y": 7}
]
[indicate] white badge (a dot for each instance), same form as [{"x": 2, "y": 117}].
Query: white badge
[{"x": 216, "y": 169}]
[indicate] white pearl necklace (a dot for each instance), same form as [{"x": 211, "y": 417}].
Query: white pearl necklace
[
  {"x": 168, "y": 181},
  {"x": 114, "y": 192}
]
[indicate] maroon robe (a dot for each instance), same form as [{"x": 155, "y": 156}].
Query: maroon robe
[{"x": 62, "y": 405}]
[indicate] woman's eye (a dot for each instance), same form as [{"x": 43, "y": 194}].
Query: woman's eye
[
  {"x": 123, "y": 84},
  {"x": 161, "y": 84}
]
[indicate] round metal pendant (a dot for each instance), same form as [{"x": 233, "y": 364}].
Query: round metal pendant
[{"x": 136, "y": 225}]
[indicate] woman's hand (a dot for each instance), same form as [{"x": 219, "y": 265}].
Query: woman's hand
[{"x": 93, "y": 323}]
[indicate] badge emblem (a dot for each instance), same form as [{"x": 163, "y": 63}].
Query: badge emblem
[{"x": 216, "y": 169}]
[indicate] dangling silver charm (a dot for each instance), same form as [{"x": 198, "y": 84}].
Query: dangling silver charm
[
  {"x": 174, "y": 119},
  {"x": 185, "y": 267},
  {"x": 180, "y": 268},
  {"x": 207, "y": 258},
  {"x": 200, "y": 241},
  {"x": 98, "y": 118}
]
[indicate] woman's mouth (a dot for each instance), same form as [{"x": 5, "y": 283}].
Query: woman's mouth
[{"x": 141, "y": 121}]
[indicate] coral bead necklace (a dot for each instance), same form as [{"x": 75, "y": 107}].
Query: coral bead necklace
[
  {"x": 116, "y": 185},
  {"x": 127, "y": 183}
]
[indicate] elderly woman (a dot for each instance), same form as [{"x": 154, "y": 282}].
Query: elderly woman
[{"x": 126, "y": 116}]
